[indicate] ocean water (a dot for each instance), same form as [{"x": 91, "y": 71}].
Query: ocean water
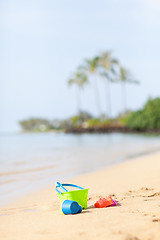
[{"x": 32, "y": 161}]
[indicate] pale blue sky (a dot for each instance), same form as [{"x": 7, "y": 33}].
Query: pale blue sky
[{"x": 43, "y": 41}]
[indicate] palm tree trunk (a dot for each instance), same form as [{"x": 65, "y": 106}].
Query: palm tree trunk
[
  {"x": 108, "y": 99},
  {"x": 97, "y": 97},
  {"x": 124, "y": 97},
  {"x": 78, "y": 100}
]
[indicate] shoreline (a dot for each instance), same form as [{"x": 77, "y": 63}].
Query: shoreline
[
  {"x": 98, "y": 130},
  {"x": 135, "y": 184},
  {"x": 39, "y": 188}
]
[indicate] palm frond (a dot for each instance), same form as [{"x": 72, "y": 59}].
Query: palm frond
[
  {"x": 126, "y": 76},
  {"x": 71, "y": 81},
  {"x": 79, "y": 78}
]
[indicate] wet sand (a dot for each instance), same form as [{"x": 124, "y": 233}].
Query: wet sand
[{"x": 134, "y": 184}]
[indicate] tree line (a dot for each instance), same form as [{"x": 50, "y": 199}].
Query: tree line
[
  {"x": 106, "y": 67},
  {"x": 146, "y": 119}
]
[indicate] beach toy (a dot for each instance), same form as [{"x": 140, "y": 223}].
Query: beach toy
[
  {"x": 80, "y": 209},
  {"x": 104, "y": 202},
  {"x": 114, "y": 202},
  {"x": 71, "y": 207},
  {"x": 80, "y": 195}
]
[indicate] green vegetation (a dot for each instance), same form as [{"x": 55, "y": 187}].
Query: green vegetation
[
  {"x": 146, "y": 119},
  {"x": 36, "y": 125}
]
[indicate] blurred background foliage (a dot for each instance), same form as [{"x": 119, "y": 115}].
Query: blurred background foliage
[
  {"x": 107, "y": 68},
  {"x": 148, "y": 118}
]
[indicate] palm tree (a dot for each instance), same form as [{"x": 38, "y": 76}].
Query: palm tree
[
  {"x": 108, "y": 66},
  {"x": 79, "y": 79},
  {"x": 91, "y": 67},
  {"x": 125, "y": 77}
]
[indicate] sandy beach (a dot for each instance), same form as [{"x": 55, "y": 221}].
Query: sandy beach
[{"x": 135, "y": 184}]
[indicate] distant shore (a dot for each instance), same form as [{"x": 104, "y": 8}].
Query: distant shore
[
  {"x": 110, "y": 129},
  {"x": 134, "y": 184}
]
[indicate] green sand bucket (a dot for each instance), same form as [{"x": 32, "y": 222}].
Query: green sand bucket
[{"x": 79, "y": 196}]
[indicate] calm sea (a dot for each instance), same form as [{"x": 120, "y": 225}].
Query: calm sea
[{"x": 32, "y": 161}]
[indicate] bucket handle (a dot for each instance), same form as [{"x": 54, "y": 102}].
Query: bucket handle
[{"x": 61, "y": 186}]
